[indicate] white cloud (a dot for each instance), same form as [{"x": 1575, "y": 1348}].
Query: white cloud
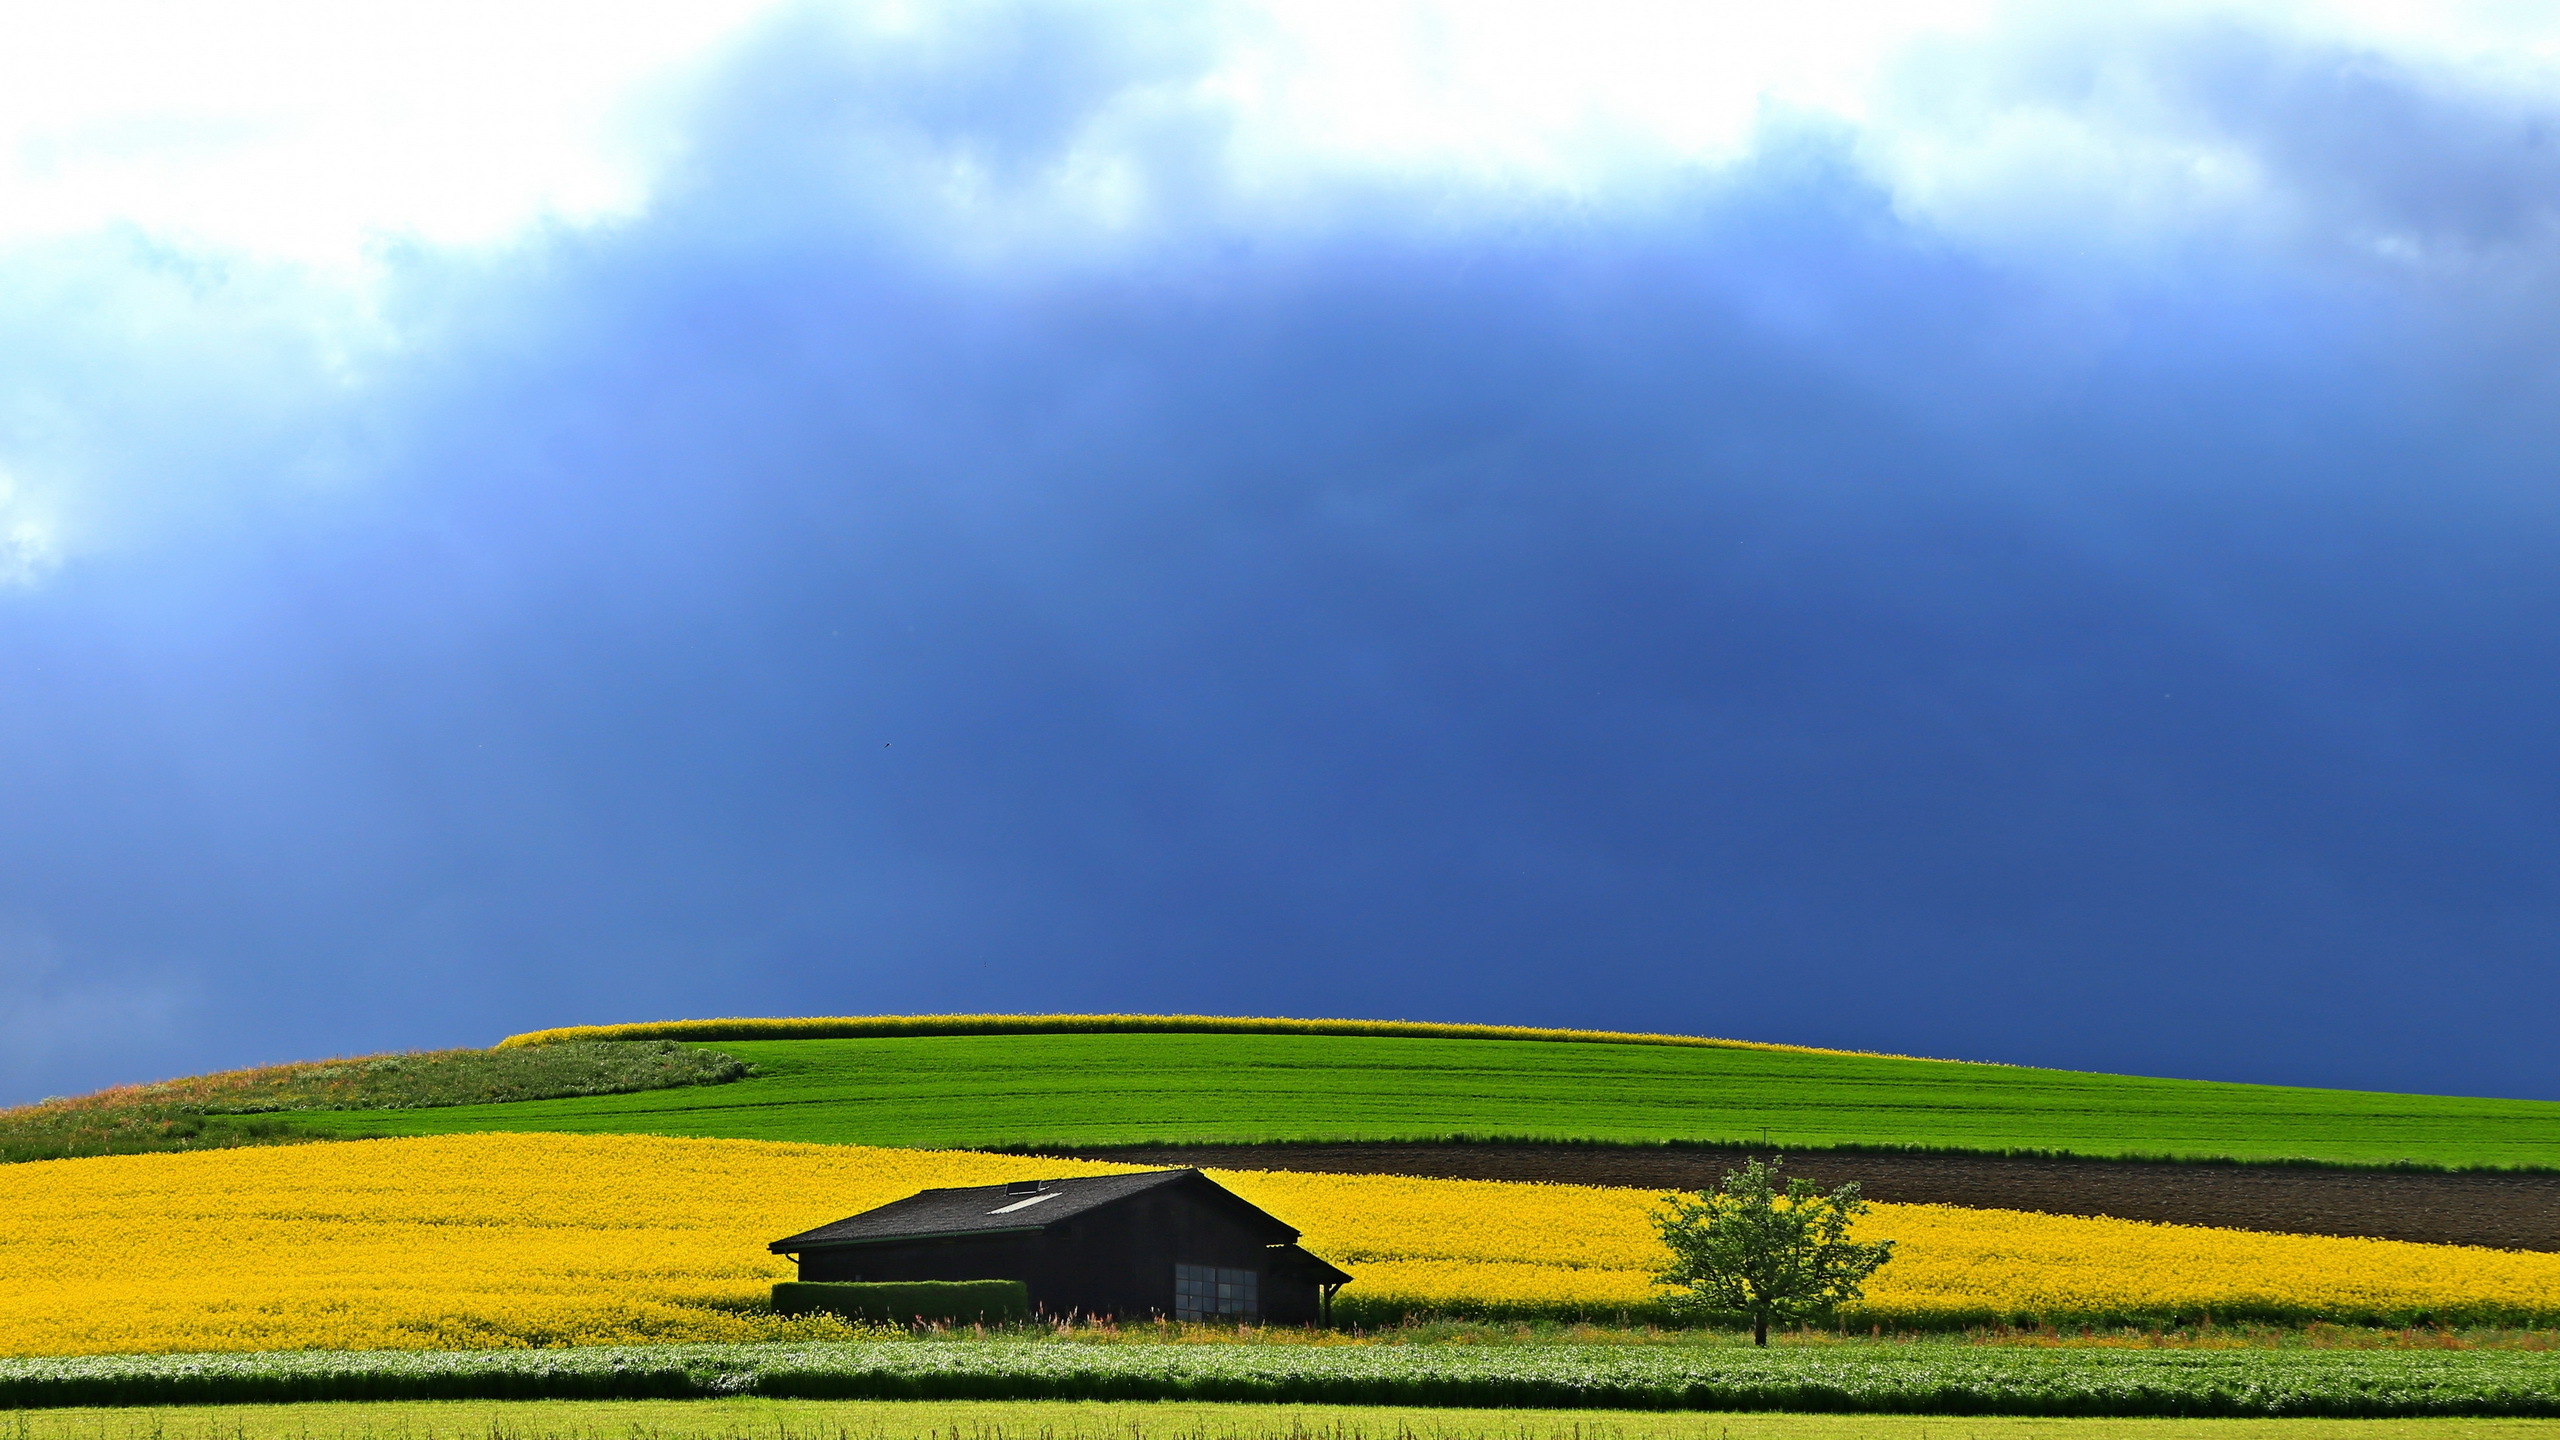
[
  {"x": 28, "y": 548},
  {"x": 2347, "y": 130},
  {"x": 1559, "y": 94},
  {"x": 308, "y": 131},
  {"x": 195, "y": 200},
  {"x": 2092, "y": 137}
]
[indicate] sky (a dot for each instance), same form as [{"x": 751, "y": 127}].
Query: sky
[{"x": 2009, "y": 532}]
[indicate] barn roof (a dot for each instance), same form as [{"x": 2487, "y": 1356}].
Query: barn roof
[{"x": 997, "y": 1209}]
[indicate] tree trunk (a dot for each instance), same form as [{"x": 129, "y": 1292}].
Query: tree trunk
[{"x": 1759, "y": 1327}]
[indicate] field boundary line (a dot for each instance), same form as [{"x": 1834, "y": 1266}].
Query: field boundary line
[
  {"x": 1743, "y": 1146},
  {"x": 853, "y": 1027}
]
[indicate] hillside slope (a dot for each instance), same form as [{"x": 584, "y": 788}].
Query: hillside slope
[
  {"x": 260, "y": 1106},
  {"x": 1093, "y": 1089}
]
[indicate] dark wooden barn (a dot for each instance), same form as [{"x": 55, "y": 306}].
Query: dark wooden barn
[{"x": 1169, "y": 1243}]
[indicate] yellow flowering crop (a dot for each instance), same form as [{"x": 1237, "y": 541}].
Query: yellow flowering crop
[
  {"x": 464, "y": 1241},
  {"x": 837, "y": 1027},
  {"x": 1499, "y": 1247},
  {"x": 548, "y": 1239}
]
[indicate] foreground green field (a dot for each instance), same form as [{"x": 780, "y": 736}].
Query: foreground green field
[
  {"x": 984, "y": 1091},
  {"x": 757, "y": 1419},
  {"x": 1839, "y": 1377}
]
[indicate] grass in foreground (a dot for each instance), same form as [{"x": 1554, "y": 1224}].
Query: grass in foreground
[
  {"x": 1067, "y": 1090},
  {"x": 759, "y": 1419},
  {"x": 261, "y": 1106},
  {"x": 1838, "y": 1378}
]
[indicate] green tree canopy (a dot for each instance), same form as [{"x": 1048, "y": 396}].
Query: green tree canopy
[{"x": 1746, "y": 1247}]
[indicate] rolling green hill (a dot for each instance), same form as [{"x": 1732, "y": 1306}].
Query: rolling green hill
[
  {"x": 1030, "y": 1089},
  {"x": 247, "y": 1107}
]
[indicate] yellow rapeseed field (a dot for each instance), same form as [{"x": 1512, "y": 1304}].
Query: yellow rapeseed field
[
  {"x": 812, "y": 1027},
  {"x": 533, "y": 1239},
  {"x": 1497, "y": 1247},
  {"x": 461, "y": 1241}
]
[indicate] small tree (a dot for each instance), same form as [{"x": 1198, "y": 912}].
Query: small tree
[{"x": 1746, "y": 1246}]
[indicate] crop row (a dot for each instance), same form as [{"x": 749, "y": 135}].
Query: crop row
[{"x": 1854, "y": 1377}]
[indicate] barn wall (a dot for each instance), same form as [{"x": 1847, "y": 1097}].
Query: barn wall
[
  {"x": 1116, "y": 1261},
  {"x": 1119, "y": 1260},
  {"x": 981, "y": 1257}
]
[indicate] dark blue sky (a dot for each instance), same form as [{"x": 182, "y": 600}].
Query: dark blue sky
[{"x": 1765, "y": 598}]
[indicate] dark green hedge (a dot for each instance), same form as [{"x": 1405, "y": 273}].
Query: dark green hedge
[{"x": 959, "y": 1302}]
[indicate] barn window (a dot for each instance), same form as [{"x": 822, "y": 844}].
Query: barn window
[{"x": 1206, "y": 1292}]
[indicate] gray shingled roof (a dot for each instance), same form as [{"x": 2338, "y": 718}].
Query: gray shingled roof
[{"x": 992, "y": 1209}]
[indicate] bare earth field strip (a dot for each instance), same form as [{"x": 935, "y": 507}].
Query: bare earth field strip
[{"x": 2511, "y": 1212}]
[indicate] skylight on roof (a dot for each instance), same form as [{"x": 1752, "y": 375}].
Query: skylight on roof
[{"x": 1024, "y": 1204}]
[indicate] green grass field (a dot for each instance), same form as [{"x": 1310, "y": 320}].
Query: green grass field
[
  {"x": 754, "y": 1419},
  {"x": 1031, "y": 1090}
]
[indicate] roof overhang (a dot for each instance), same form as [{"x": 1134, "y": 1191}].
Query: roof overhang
[
  {"x": 796, "y": 1244},
  {"x": 1313, "y": 1267}
]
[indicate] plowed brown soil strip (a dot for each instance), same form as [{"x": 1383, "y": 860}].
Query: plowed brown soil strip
[{"x": 2514, "y": 1212}]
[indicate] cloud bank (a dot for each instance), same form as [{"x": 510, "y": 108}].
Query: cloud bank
[{"x": 2007, "y": 538}]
